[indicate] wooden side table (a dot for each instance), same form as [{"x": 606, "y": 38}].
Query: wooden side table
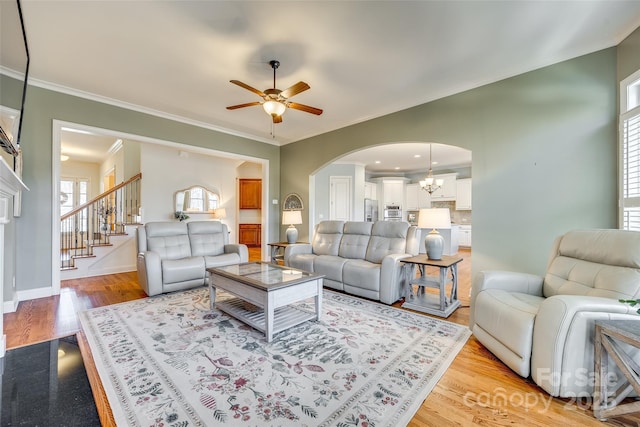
[
  {"x": 608, "y": 336},
  {"x": 441, "y": 306},
  {"x": 277, "y": 250}
]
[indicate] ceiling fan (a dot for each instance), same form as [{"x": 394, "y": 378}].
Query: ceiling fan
[{"x": 276, "y": 101}]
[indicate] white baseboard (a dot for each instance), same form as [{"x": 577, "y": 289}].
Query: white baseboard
[
  {"x": 12, "y": 306},
  {"x": 35, "y": 293}
]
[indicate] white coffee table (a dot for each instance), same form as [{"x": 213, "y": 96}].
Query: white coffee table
[{"x": 264, "y": 293}]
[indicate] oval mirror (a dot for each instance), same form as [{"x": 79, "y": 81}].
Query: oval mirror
[{"x": 196, "y": 199}]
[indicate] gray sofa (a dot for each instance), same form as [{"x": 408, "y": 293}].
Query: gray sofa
[
  {"x": 360, "y": 258},
  {"x": 173, "y": 256}
]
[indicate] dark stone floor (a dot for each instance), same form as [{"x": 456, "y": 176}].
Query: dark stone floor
[{"x": 46, "y": 384}]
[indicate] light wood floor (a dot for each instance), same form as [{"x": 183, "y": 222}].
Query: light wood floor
[{"x": 476, "y": 390}]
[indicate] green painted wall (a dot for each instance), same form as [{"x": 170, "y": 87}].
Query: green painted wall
[
  {"x": 42, "y": 107},
  {"x": 544, "y": 155}
]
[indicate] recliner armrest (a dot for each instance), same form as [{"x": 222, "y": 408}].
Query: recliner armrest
[
  {"x": 298, "y": 248},
  {"x": 563, "y": 336},
  {"x": 240, "y": 249},
  {"x": 149, "y": 266},
  {"x": 391, "y": 278},
  {"x": 508, "y": 280}
]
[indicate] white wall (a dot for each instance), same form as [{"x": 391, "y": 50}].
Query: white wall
[{"x": 166, "y": 170}]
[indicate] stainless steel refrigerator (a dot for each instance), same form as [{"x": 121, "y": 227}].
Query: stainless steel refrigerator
[{"x": 370, "y": 210}]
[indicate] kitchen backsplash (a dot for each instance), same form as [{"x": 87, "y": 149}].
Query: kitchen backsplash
[{"x": 457, "y": 217}]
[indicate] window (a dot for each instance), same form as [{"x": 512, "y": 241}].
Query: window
[
  {"x": 73, "y": 193},
  {"x": 630, "y": 153}
]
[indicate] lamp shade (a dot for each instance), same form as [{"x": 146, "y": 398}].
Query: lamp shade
[
  {"x": 219, "y": 213},
  {"x": 291, "y": 217},
  {"x": 274, "y": 108},
  {"x": 434, "y": 218}
]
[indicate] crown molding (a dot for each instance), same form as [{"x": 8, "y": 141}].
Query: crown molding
[{"x": 134, "y": 107}]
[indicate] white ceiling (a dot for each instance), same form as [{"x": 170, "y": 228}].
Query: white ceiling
[
  {"x": 362, "y": 59},
  {"x": 409, "y": 157}
]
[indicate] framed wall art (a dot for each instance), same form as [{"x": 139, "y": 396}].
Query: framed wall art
[{"x": 292, "y": 202}]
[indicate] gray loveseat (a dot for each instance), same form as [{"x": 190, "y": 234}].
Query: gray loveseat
[
  {"x": 173, "y": 256},
  {"x": 360, "y": 258}
]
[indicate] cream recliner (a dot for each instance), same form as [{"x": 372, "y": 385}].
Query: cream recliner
[{"x": 544, "y": 327}]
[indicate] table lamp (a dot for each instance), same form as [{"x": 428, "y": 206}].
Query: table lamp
[
  {"x": 219, "y": 213},
  {"x": 291, "y": 218},
  {"x": 434, "y": 218}
]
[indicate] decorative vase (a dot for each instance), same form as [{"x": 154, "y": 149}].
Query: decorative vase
[
  {"x": 292, "y": 234},
  {"x": 434, "y": 244}
]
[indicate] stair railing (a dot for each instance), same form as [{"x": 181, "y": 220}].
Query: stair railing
[{"x": 91, "y": 223}]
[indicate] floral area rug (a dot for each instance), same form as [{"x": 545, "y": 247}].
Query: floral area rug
[{"x": 171, "y": 361}]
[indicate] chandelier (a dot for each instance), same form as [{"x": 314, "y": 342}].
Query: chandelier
[{"x": 430, "y": 184}]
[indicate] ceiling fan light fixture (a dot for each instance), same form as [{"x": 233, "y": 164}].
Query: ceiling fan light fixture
[
  {"x": 274, "y": 108},
  {"x": 276, "y": 101}
]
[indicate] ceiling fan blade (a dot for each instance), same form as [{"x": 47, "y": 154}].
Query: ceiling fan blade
[
  {"x": 277, "y": 119},
  {"x": 247, "y": 87},
  {"x": 294, "y": 90},
  {"x": 305, "y": 108},
  {"x": 248, "y": 104}
]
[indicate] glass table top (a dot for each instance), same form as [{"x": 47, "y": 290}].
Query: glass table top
[{"x": 263, "y": 274}]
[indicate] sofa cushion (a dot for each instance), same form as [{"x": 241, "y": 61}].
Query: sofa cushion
[
  {"x": 387, "y": 237},
  {"x": 169, "y": 239},
  {"x": 355, "y": 239},
  {"x": 362, "y": 274},
  {"x": 221, "y": 260},
  {"x": 326, "y": 240},
  {"x": 207, "y": 237},
  {"x": 610, "y": 247},
  {"x": 330, "y": 266},
  {"x": 603, "y": 263},
  {"x": 183, "y": 270}
]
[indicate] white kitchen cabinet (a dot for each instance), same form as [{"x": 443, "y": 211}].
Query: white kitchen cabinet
[
  {"x": 447, "y": 192},
  {"x": 392, "y": 189},
  {"x": 370, "y": 191},
  {"x": 416, "y": 198},
  {"x": 464, "y": 235},
  {"x": 393, "y": 192},
  {"x": 463, "y": 194}
]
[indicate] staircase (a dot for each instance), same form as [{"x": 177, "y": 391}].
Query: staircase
[{"x": 99, "y": 232}]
